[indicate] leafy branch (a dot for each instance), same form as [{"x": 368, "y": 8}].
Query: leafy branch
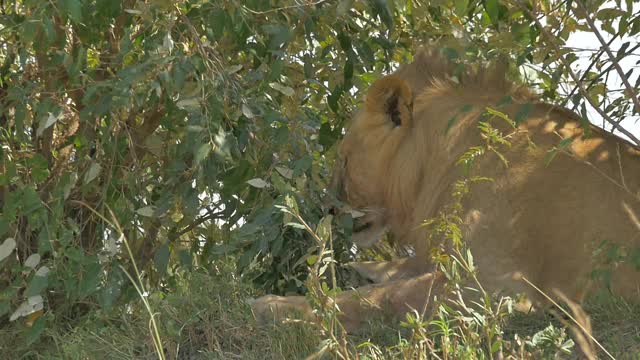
[
  {"x": 552, "y": 40},
  {"x": 614, "y": 60}
]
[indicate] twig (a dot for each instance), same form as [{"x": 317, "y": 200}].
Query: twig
[
  {"x": 284, "y": 7},
  {"x": 614, "y": 60},
  {"x": 575, "y": 78},
  {"x": 586, "y": 72},
  {"x": 599, "y": 171},
  {"x": 199, "y": 221},
  {"x": 620, "y": 166}
]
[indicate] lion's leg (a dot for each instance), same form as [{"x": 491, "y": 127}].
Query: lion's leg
[
  {"x": 382, "y": 271},
  {"x": 395, "y": 298}
]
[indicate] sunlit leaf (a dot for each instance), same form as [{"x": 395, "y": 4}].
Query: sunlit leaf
[
  {"x": 147, "y": 211},
  {"x": 312, "y": 259},
  {"x": 246, "y": 111},
  {"x": 7, "y": 247},
  {"x": 92, "y": 173},
  {"x": 161, "y": 258},
  {"x": 31, "y": 305},
  {"x": 285, "y": 172},
  {"x": 286, "y": 90},
  {"x": 258, "y": 183},
  {"x": 45, "y": 123},
  {"x": 32, "y": 261}
]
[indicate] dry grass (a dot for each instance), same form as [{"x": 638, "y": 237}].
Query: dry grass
[{"x": 207, "y": 317}]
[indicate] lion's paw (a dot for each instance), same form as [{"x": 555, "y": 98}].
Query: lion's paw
[{"x": 270, "y": 309}]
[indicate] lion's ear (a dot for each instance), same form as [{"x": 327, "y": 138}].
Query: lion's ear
[{"x": 392, "y": 97}]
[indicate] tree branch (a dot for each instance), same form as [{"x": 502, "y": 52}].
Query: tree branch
[
  {"x": 575, "y": 77},
  {"x": 199, "y": 221},
  {"x": 614, "y": 60},
  {"x": 586, "y": 72}
]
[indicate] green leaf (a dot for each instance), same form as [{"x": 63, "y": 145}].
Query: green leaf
[
  {"x": 277, "y": 67},
  {"x": 461, "y": 7},
  {"x": 161, "y": 258},
  {"x": 185, "y": 257},
  {"x": 584, "y": 121},
  {"x": 7, "y": 247},
  {"x": 291, "y": 203},
  {"x": 71, "y": 8},
  {"x": 280, "y": 34},
  {"x": 523, "y": 113},
  {"x": 112, "y": 289},
  {"x": 202, "y": 153},
  {"x": 258, "y": 183},
  {"x": 334, "y": 97},
  {"x": 452, "y": 120},
  {"x": 496, "y": 347},
  {"x": 343, "y": 7},
  {"x": 565, "y": 143},
  {"x": 147, "y": 211},
  {"x": 295, "y": 225},
  {"x": 45, "y": 123},
  {"x": 609, "y": 14},
  {"x": 32, "y": 261},
  {"x": 189, "y": 103},
  {"x": 309, "y": 72},
  {"x": 327, "y": 136},
  {"x": 285, "y": 172},
  {"x": 33, "y": 334},
  {"x": 348, "y": 71},
  {"x": 383, "y": 11},
  {"x": 5, "y": 307},
  {"x": 464, "y": 109},
  {"x": 29, "y": 31},
  {"x": 312, "y": 259},
  {"x": 90, "y": 279},
  {"x": 500, "y": 115},
  {"x": 92, "y": 173},
  {"x": 491, "y": 6},
  {"x": 324, "y": 228},
  {"x": 247, "y": 112},
  {"x": 451, "y": 54},
  {"x": 31, "y": 305},
  {"x": 39, "y": 168},
  {"x": 505, "y": 100},
  {"x": 37, "y": 285},
  {"x": 283, "y": 89},
  {"x": 345, "y": 41},
  {"x": 550, "y": 155},
  {"x": 30, "y": 200}
]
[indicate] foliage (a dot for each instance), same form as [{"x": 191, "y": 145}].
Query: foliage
[{"x": 191, "y": 123}]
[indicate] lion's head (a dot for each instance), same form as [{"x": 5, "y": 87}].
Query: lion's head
[
  {"x": 382, "y": 164},
  {"x": 366, "y": 152}
]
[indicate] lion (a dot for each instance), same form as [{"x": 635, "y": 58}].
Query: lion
[{"x": 544, "y": 215}]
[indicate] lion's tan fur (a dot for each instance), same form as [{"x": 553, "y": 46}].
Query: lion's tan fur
[{"x": 544, "y": 221}]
